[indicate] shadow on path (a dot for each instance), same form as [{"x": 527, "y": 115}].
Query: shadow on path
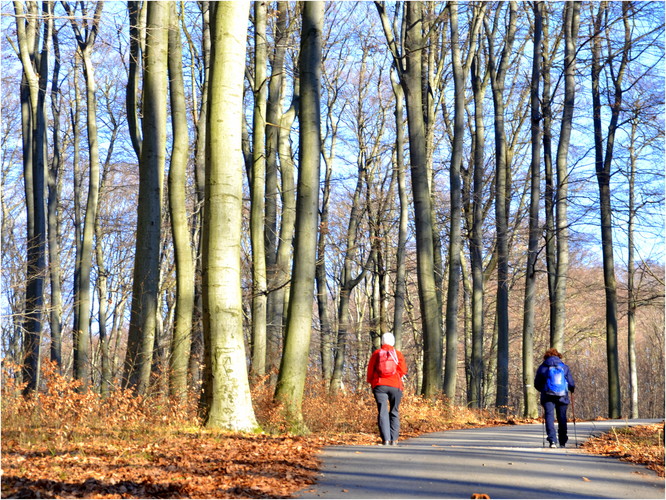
[{"x": 502, "y": 462}]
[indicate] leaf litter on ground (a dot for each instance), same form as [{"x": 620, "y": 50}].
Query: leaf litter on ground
[{"x": 64, "y": 444}]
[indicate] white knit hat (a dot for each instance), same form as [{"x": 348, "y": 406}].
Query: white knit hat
[{"x": 388, "y": 338}]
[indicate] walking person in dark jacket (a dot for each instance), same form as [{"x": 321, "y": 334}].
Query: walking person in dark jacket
[{"x": 554, "y": 380}]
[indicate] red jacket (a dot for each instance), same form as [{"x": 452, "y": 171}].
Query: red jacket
[{"x": 394, "y": 380}]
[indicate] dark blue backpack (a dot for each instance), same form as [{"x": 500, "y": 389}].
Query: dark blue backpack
[{"x": 556, "y": 381}]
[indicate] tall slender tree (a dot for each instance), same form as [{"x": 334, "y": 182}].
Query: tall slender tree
[
  {"x": 530, "y": 408},
  {"x": 498, "y": 70},
  {"x": 409, "y": 66},
  {"x": 226, "y": 396},
  {"x": 145, "y": 288},
  {"x": 182, "y": 327},
  {"x": 293, "y": 368},
  {"x": 603, "y": 164},
  {"x": 258, "y": 194},
  {"x": 570, "y": 27},
  {"x": 54, "y": 189},
  {"x": 34, "y": 63},
  {"x": 83, "y": 300}
]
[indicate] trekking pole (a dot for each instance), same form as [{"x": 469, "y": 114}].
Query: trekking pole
[
  {"x": 573, "y": 411},
  {"x": 543, "y": 428}
]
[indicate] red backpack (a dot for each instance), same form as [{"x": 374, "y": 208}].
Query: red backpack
[{"x": 388, "y": 363}]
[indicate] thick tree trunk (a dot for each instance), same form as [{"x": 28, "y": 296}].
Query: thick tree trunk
[
  {"x": 33, "y": 96},
  {"x": 430, "y": 305},
  {"x": 145, "y": 289},
  {"x": 226, "y": 396},
  {"x": 293, "y": 368}
]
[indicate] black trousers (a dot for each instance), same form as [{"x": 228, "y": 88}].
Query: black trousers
[{"x": 388, "y": 420}]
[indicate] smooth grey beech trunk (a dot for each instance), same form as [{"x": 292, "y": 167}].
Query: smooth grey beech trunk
[
  {"x": 293, "y": 368},
  {"x": 145, "y": 286},
  {"x": 182, "y": 327},
  {"x": 258, "y": 195},
  {"x": 226, "y": 397}
]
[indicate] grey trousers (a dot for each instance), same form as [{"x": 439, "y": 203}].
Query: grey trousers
[{"x": 388, "y": 420}]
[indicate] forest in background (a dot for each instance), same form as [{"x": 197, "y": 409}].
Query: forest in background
[{"x": 490, "y": 183}]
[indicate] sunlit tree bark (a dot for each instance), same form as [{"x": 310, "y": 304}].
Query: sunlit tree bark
[
  {"x": 226, "y": 397},
  {"x": 258, "y": 194},
  {"x": 182, "y": 327},
  {"x": 293, "y": 368}
]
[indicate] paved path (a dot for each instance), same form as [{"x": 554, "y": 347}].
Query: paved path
[{"x": 502, "y": 462}]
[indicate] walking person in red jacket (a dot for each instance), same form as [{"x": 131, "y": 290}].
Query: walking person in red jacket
[{"x": 386, "y": 368}]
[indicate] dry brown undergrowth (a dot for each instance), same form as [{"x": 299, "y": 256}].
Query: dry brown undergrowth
[
  {"x": 642, "y": 445},
  {"x": 63, "y": 444}
]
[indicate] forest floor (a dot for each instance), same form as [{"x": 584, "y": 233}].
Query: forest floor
[{"x": 64, "y": 444}]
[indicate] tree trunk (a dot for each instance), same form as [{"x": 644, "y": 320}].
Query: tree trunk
[
  {"x": 197, "y": 346},
  {"x": 549, "y": 183},
  {"x": 326, "y": 331},
  {"x": 529, "y": 395},
  {"x": 502, "y": 189},
  {"x": 430, "y": 305},
  {"x": 258, "y": 194},
  {"x": 33, "y": 96},
  {"x": 400, "y": 282},
  {"x": 145, "y": 289},
  {"x": 226, "y": 397},
  {"x": 136, "y": 11},
  {"x": 476, "y": 376},
  {"x": 293, "y": 368},
  {"x": 455, "y": 242},
  {"x": 182, "y": 328},
  {"x": 347, "y": 281},
  {"x": 83, "y": 300},
  {"x": 571, "y": 13},
  {"x": 631, "y": 292},
  {"x": 275, "y": 298},
  {"x": 54, "y": 186},
  {"x": 603, "y": 164}
]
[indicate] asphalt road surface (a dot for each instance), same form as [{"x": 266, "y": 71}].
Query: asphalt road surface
[{"x": 501, "y": 462}]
